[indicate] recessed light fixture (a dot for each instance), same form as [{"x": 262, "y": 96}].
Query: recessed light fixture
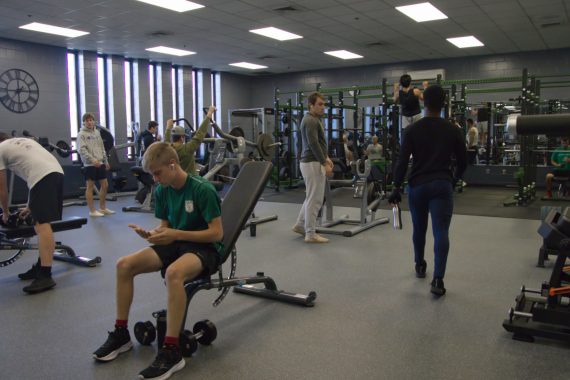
[
  {"x": 465, "y": 42},
  {"x": 174, "y": 5},
  {"x": 422, "y": 12},
  {"x": 171, "y": 51},
  {"x": 276, "y": 33},
  {"x": 247, "y": 65},
  {"x": 51, "y": 29},
  {"x": 343, "y": 54}
]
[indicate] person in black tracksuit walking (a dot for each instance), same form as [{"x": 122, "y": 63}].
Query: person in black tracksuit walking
[{"x": 432, "y": 142}]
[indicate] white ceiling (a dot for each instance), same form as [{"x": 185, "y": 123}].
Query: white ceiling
[{"x": 219, "y": 33}]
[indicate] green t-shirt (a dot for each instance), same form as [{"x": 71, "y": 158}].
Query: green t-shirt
[
  {"x": 560, "y": 155},
  {"x": 190, "y": 208}
]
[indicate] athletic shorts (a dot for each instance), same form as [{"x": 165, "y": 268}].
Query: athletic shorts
[
  {"x": 206, "y": 252},
  {"x": 483, "y": 126},
  {"x": 46, "y": 198},
  {"x": 95, "y": 174},
  {"x": 561, "y": 173}
]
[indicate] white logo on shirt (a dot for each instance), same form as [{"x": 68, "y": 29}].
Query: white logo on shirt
[{"x": 189, "y": 206}]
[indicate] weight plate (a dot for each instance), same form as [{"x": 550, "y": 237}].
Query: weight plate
[
  {"x": 145, "y": 333},
  {"x": 208, "y": 329}
]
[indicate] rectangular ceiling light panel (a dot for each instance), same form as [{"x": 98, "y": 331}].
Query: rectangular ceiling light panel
[
  {"x": 45, "y": 28},
  {"x": 276, "y": 33},
  {"x": 174, "y": 5},
  {"x": 247, "y": 65},
  {"x": 422, "y": 12},
  {"x": 343, "y": 54},
  {"x": 465, "y": 42},
  {"x": 171, "y": 51}
]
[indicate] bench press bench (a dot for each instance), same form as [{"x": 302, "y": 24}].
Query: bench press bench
[
  {"x": 237, "y": 206},
  {"x": 14, "y": 241}
]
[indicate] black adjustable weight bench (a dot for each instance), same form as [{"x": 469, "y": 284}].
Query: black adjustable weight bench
[
  {"x": 237, "y": 206},
  {"x": 14, "y": 241}
]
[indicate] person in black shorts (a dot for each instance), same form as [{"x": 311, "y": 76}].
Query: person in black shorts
[
  {"x": 186, "y": 244},
  {"x": 44, "y": 177},
  {"x": 94, "y": 157}
]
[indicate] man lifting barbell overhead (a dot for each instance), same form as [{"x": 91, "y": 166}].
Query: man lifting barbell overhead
[
  {"x": 44, "y": 177},
  {"x": 187, "y": 150}
]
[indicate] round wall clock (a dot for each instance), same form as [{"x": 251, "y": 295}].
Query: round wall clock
[{"x": 19, "y": 91}]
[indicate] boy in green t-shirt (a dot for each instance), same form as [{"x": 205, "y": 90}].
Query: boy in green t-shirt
[
  {"x": 561, "y": 160},
  {"x": 187, "y": 243}
]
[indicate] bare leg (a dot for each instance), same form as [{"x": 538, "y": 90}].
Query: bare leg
[
  {"x": 143, "y": 261},
  {"x": 185, "y": 268},
  {"x": 46, "y": 243},
  {"x": 103, "y": 187},
  {"x": 89, "y": 186}
]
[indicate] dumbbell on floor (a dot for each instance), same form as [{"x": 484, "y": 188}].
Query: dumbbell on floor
[{"x": 205, "y": 333}]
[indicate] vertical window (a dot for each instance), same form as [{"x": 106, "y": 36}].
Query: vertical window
[
  {"x": 76, "y": 93},
  {"x": 152, "y": 91},
  {"x": 158, "y": 98},
  {"x": 180, "y": 91},
  {"x": 128, "y": 96},
  {"x": 101, "y": 86},
  {"x": 173, "y": 76},
  {"x": 217, "y": 96},
  {"x": 72, "y": 89},
  {"x": 105, "y": 84},
  {"x": 194, "y": 98},
  {"x": 199, "y": 96},
  {"x": 155, "y": 79},
  {"x": 135, "y": 91},
  {"x": 177, "y": 92}
]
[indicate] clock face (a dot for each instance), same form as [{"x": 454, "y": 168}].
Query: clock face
[{"x": 19, "y": 91}]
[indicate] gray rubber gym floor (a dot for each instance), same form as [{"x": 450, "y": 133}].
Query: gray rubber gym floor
[{"x": 372, "y": 319}]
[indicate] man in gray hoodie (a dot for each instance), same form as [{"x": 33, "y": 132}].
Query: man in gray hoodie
[
  {"x": 92, "y": 152},
  {"x": 315, "y": 167}
]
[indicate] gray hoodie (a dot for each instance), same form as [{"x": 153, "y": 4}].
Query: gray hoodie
[{"x": 90, "y": 146}]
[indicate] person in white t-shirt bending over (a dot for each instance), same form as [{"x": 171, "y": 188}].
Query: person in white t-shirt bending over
[{"x": 44, "y": 177}]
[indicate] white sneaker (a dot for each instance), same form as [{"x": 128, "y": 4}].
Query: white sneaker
[
  {"x": 315, "y": 239},
  {"x": 106, "y": 211},
  {"x": 96, "y": 213}
]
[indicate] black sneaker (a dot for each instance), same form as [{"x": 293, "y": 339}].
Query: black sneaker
[
  {"x": 117, "y": 342},
  {"x": 40, "y": 284},
  {"x": 168, "y": 361},
  {"x": 421, "y": 269},
  {"x": 31, "y": 274},
  {"x": 437, "y": 287}
]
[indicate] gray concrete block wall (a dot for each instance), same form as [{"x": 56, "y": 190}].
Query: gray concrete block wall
[
  {"x": 48, "y": 66},
  {"x": 236, "y": 93},
  {"x": 91, "y": 84},
  {"x": 167, "y": 101},
  {"x": 119, "y": 106},
  {"x": 144, "y": 93}
]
